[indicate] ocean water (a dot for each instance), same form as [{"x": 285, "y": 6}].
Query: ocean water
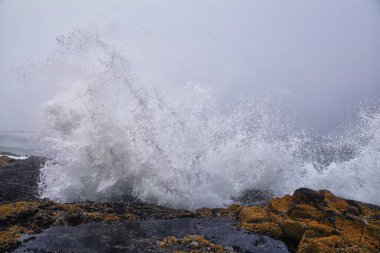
[
  {"x": 111, "y": 136},
  {"x": 19, "y": 143}
]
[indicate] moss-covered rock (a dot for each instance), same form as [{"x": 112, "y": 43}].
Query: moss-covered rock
[{"x": 315, "y": 221}]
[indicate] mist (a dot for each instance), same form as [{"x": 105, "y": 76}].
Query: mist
[{"x": 325, "y": 55}]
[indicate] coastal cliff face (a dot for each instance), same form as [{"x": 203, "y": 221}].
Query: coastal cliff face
[{"x": 308, "y": 221}]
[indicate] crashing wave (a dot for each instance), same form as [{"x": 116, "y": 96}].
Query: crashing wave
[{"x": 111, "y": 137}]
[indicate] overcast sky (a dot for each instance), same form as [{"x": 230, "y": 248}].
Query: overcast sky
[{"x": 325, "y": 53}]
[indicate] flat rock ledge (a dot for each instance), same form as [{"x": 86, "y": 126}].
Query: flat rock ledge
[{"x": 307, "y": 221}]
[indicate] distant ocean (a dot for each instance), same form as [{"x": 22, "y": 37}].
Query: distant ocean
[{"x": 20, "y": 143}]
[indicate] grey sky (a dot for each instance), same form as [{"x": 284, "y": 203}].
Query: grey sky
[{"x": 325, "y": 53}]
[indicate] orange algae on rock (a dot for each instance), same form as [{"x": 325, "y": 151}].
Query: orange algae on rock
[
  {"x": 308, "y": 221},
  {"x": 281, "y": 205},
  {"x": 17, "y": 209},
  {"x": 31, "y": 217},
  {"x": 191, "y": 243},
  {"x": 315, "y": 221},
  {"x": 11, "y": 238}
]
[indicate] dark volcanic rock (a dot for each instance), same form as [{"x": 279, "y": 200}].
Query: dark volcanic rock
[
  {"x": 19, "y": 178},
  {"x": 5, "y": 161},
  {"x": 308, "y": 195}
]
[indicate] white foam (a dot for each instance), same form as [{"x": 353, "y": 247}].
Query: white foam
[
  {"x": 16, "y": 157},
  {"x": 110, "y": 136}
]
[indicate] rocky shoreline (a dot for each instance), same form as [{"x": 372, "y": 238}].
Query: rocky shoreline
[
  {"x": 19, "y": 177},
  {"x": 307, "y": 221}
]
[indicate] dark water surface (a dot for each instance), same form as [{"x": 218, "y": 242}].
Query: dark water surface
[
  {"x": 20, "y": 143},
  {"x": 142, "y": 236}
]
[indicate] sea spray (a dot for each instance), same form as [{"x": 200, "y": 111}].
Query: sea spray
[
  {"x": 355, "y": 170},
  {"x": 111, "y": 137}
]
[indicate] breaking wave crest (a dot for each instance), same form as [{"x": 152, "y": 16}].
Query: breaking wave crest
[{"x": 111, "y": 137}]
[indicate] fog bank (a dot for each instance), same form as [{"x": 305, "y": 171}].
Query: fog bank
[{"x": 325, "y": 55}]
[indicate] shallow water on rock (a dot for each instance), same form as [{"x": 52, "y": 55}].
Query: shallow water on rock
[{"x": 143, "y": 236}]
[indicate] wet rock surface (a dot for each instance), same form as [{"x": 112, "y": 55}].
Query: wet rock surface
[
  {"x": 308, "y": 221},
  {"x": 153, "y": 235},
  {"x": 33, "y": 216},
  {"x": 19, "y": 178},
  {"x": 4, "y": 161}
]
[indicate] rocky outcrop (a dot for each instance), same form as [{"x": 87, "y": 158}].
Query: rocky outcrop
[
  {"x": 307, "y": 221},
  {"x": 19, "y": 178},
  {"x": 314, "y": 221},
  {"x": 5, "y": 161},
  {"x": 32, "y": 216}
]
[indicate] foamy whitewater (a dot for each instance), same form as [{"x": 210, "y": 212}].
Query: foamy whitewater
[{"x": 110, "y": 137}]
